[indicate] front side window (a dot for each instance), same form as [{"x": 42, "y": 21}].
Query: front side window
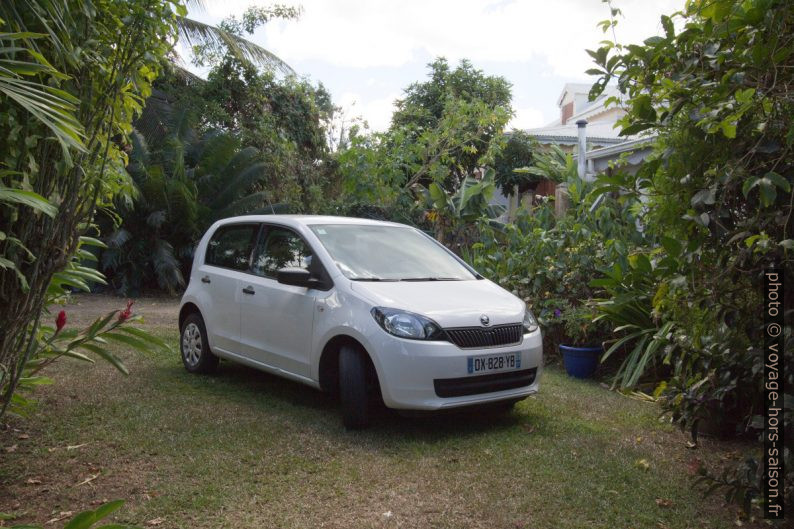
[
  {"x": 280, "y": 248},
  {"x": 388, "y": 253},
  {"x": 230, "y": 246}
]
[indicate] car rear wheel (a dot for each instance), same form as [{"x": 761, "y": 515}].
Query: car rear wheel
[
  {"x": 353, "y": 385},
  {"x": 194, "y": 346}
]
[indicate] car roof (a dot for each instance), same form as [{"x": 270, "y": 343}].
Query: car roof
[{"x": 308, "y": 220}]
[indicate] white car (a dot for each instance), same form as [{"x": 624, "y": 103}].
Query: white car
[{"x": 357, "y": 307}]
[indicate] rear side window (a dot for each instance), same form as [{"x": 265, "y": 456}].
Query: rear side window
[
  {"x": 280, "y": 248},
  {"x": 230, "y": 246}
]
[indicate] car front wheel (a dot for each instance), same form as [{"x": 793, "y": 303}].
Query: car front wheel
[
  {"x": 353, "y": 392},
  {"x": 194, "y": 346}
]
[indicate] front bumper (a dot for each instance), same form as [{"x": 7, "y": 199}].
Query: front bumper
[{"x": 417, "y": 375}]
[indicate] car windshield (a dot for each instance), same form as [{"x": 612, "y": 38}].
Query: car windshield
[{"x": 388, "y": 253}]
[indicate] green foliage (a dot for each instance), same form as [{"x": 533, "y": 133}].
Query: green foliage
[
  {"x": 82, "y": 71},
  {"x": 241, "y": 142},
  {"x": 255, "y": 16},
  {"x": 456, "y": 118},
  {"x": 517, "y": 153},
  {"x": 718, "y": 196},
  {"x": 628, "y": 305},
  {"x": 182, "y": 188},
  {"x": 51, "y": 106},
  {"x": 51, "y": 343},
  {"x": 443, "y": 130},
  {"x": 373, "y": 176},
  {"x": 454, "y": 214},
  {"x": 89, "y": 519},
  {"x": 550, "y": 262},
  {"x": 210, "y": 44},
  {"x": 284, "y": 119},
  {"x": 552, "y": 164}
]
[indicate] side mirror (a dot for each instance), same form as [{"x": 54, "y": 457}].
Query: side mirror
[{"x": 299, "y": 277}]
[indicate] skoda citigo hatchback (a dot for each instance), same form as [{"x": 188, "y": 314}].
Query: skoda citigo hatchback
[{"x": 357, "y": 307}]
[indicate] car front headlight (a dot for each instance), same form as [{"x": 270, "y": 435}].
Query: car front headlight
[
  {"x": 530, "y": 323},
  {"x": 407, "y": 324}
]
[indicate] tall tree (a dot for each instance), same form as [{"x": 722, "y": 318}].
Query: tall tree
[
  {"x": 183, "y": 186},
  {"x": 285, "y": 119},
  {"x": 467, "y": 93},
  {"x": 517, "y": 153},
  {"x": 101, "y": 58}
]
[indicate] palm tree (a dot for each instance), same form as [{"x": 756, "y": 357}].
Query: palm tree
[
  {"x": 182, "y": 189},
  {"x": 199, "y": 33},
  {"x": 21, "y": 64}
]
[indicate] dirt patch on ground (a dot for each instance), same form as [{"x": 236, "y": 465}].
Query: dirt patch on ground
[
  {"x": 156, "y": 312},
  {"x": 62, "y": 479},
  {"x": 46, "y": 474}
]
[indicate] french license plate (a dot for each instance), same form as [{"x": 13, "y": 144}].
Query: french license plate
[{"x": 489, "y": 363}]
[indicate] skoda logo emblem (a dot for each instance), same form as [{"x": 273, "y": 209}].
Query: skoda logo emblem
[{"x": 485, "y": 320}]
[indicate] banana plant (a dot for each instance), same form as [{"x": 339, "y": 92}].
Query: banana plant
[
  {"x": 555, "y": 165},
  {"x": 454, "y": 213}
]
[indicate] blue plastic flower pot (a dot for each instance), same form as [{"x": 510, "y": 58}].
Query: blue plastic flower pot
[{"x": 580, "y": 362}]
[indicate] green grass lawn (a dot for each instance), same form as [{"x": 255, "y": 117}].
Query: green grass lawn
[{"x": 246, "y": 449}]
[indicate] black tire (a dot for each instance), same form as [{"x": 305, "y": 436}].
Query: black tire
[
  {"x": 195, "y": 350},
  {"x": 506, "y": 406},
  {"x": 353, "y": 385}
]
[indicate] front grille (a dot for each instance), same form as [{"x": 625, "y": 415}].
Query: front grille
[
  {"x": 496, "y": 336},
  {"x": 459, "y": 387}
]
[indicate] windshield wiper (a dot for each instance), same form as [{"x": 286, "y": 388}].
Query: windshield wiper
[
  {"x": 431, "y": 279},
  {"x": 372, "y": 279}
]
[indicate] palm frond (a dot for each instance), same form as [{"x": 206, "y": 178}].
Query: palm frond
[
  {"x": 140, "y": 149},
  {"x": 166, "y": 266},
  {"x": 154, "y": 119},
  {"x": 118, "y": 238},
  {"x": 252, "y": 204},
  {"x": 240, "y": 184},
  {"x": 52, "y": 107},
  {"x": 55, "y": 17},
  {"x": 198, "y": 33},
  {"x": 241, "y": 160},
  {"x": 215, "y": 150}
]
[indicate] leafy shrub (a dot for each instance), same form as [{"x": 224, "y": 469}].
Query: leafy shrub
[
  {"x": 550, "y": 262},
  {"x": 183, "y": 187},
  {"x": 717, "y": 194}
]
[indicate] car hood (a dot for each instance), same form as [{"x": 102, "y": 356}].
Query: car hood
[{"x": 448, "y": 303}]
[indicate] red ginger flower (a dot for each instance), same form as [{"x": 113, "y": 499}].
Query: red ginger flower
[
  {"x": 60, "y": 321},
  {"x": 125, "y": 314}
]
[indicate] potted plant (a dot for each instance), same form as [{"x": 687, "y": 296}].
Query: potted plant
[{"x": 580, "y": 337}]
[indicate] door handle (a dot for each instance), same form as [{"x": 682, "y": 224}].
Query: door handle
[
  {"x": 206, "y": 279},
  {"x": 249, "y": 290}
]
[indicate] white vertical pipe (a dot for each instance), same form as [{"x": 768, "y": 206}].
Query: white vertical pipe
[{"x": 582, "y": 156}]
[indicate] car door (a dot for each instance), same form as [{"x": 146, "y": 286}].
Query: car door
[
  {"x": 276, "y": 319},
  {"x": 226, "y": 260}
]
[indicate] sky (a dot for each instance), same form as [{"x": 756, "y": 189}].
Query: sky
[{"x": 366, "y": 52}]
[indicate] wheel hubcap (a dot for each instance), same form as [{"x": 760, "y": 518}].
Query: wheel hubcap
[{"x": 191, "y": 344}]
